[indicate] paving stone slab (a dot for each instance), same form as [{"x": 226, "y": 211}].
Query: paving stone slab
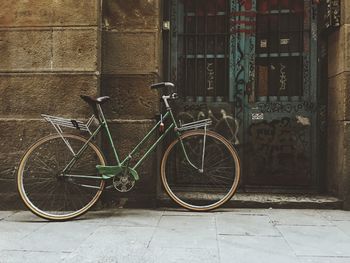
[
  {"x": 248, "y": 249},
  {"x": 113, "y": 244},
  {"x": 335, "y": 215},
  {"x": 175, "y": 255},
  {"x": 324, "y": 259},
  {"x": 57, "y": 237},
  {"x": 100, "y": 217},
  {"x": 185, "y": 232},
  {"x": 18, "y": 256},
  {"x": 316, "y": 240},
  {"x": 343, "y": 226},
  {"x": 25, "y": 216},
  {"x": 296, "y": 217},
  {"x": 12, "y": 232},
  {"x": 135, "y": 217},
  {"x": 185, "y": 212},
  {"x": 245, "y": 225},
  {"x": 5, "y": 214}
]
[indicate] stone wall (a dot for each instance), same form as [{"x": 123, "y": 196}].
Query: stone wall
[
  {"x": 130, "y": 64},
  {"x": 338, "y": 154},
  {"x": 50, "y": 54}
]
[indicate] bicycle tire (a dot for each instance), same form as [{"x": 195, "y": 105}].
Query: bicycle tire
[
  {"x": 55, "y": 197},
  {"x": 200, "y": 191}
]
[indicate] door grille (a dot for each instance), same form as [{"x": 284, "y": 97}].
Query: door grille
[{"x": 202, "y": 50}]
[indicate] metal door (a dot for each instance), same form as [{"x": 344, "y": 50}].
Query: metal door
[{"x": 251, "y": 65}]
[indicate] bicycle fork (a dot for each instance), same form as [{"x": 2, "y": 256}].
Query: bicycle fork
[{"x": 201, "y": 169}]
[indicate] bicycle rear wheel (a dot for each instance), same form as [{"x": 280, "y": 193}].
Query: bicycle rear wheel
[
  {"x": 200, "y": 190},
  {"x": 48, "y": 193}
]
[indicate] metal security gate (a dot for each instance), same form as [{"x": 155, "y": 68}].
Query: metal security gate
[{"x": 251, "y": 66}]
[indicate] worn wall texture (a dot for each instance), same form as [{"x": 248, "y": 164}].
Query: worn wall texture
[
  {"x": 130, "y": 63},
  {"x": 54, "y": 50},
  {"x": 338, "y": 154},
  {"x": 50, "y": 54}
]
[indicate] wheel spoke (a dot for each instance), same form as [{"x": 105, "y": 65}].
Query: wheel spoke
[
  {"x": 57, "y": 197},
  {"x": 200, "y": 190}
]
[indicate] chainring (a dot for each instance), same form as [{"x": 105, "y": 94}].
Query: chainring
[{"x": 123, "y": 182}]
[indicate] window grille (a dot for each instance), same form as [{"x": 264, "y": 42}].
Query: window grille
[
  {"x": 282, "y": 43},
  {"x": 202, "y": 48}
]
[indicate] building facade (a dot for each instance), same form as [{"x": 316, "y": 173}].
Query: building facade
[{"x": 272, "y": 75}]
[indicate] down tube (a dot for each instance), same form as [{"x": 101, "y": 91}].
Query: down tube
[
  {"x": 154, "y": 146},
  {"x": 145, "y": 138}
]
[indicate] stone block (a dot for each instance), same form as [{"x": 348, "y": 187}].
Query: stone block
[
  {"x": 345, "y": 12},
  {"x": 123, "y": 15},
  {"x": 335, "y": 157},
  {"x": 339, "y": 51},
  {"x": 48, "y": 13},
  {"x": 59, "y": 49},
  {"x": 339, "y": 97},
  {"x": 16, "y": 137},
  {"x": 75, "y": 49},
  {"x": 25, "y": 50},
  {"x": 130, "y": 53},
  {"x": 131, "y": 96},
  {"x": 345, "y": 177},
  {"x": 27, "y": 96},
  {"x": 336, "y": 100},
  {"x": 72, "y": 12}
]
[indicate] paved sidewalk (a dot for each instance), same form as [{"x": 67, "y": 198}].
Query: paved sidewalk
[{"x": 131, "y": 235}]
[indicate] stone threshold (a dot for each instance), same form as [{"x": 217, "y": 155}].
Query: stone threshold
[
  {"x": 266, "y": 200},
  {"x": 11, "y": 201}
]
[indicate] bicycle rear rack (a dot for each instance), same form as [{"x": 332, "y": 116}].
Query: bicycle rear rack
[
  {"x": 59, "y": 122},
  {"x": 195, "y": 125}
]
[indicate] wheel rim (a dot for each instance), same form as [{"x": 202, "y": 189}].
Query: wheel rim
[
  {"x": 191, "y": 189},
  {"x": 43, "y": 188}
]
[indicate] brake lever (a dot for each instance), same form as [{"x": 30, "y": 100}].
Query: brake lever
[{"x": 174, "y": 96}]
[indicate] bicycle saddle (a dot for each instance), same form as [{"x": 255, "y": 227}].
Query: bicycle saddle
[
  {"x": 162, "y": 85},
  {"x": 92, "y": 100}
]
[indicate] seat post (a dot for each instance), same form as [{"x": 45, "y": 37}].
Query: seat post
[{"x": 101, "y": 117}]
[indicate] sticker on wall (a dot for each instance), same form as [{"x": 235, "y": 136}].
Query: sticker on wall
[
  {"x": 305, "y": 121},
  {"x": 263, "y": 43},
  {"x": 257, "y": 116},
  {"x": 284, "y": 41}
]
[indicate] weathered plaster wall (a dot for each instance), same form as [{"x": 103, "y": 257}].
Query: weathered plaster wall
[
  {"x": 130, "y": 63},
  {"x": 50, "y": 54},
  {"x": 338, "y": 154}
]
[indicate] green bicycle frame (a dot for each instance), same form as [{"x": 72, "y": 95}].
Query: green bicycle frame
[{"x": 122, "y": 165}]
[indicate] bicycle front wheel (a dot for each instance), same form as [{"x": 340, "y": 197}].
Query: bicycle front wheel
[
  {"x": 49, "y": 193},
  {"x": 204, "y": 180}
]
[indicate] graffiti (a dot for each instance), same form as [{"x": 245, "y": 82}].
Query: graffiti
[
  {"x": 243, "y": 21},
  {"x": 283, "y": 77},
  {"x": 211, "y": 77},
  {"x": 223, "y": 123},
  {"x": 331, "y": 14},
  {"x": 257, "y": 116},
  {"x": 278, "y": 149},
  {"x": 279, "y": 107}
]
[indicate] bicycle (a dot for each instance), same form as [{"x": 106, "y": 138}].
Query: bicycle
[{"x": 61, "y": 176}]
